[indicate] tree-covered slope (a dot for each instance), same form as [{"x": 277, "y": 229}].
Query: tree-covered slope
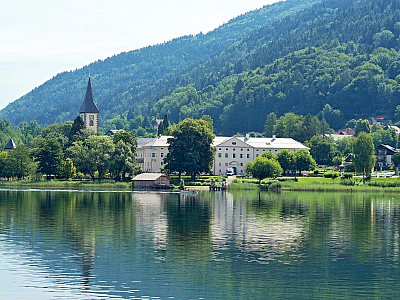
[
  {"x": 341, "y": 52},
  {"x": 132, "y": 80}
]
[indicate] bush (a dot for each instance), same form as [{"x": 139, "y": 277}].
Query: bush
[
  {"x": 275, "y": 186},
  {"x": 348, "y": 175},
  {"x": 347, "y": 181},
  {"x": 331, "y": 174},
  {"x": 349, "y": 168}
]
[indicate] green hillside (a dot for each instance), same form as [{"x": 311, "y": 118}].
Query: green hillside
[
  {"x": 341, "y": 52},
  {"x": 134, "y": 80}
]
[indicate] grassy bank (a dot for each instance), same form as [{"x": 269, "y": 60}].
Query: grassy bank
[
  {"x": 67, "y": 184},
  {"x": 322, "y": 184}
]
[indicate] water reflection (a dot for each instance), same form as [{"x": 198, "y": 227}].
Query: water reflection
[{"x": 95, "y": 245}]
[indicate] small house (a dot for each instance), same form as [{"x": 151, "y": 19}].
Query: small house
[
  {"x": 151, "y": 180},
  {"x": 384, "y": 155}
]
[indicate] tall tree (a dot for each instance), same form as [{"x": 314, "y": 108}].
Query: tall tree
[
  {"x": 363, "y": 154},
  {"x": 50, "y": 156},
  {"x": 263, "y": 167},
  {"x": 190, "y": 148},
  {"x": 269, "y": 124}
]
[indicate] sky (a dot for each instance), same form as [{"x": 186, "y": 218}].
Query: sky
[{"x": 41, "y": 38}]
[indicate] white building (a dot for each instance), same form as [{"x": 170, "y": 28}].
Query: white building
[{"x": 232, "y": 152}]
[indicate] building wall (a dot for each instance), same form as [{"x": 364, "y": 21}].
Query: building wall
[{"x": 91, "y": 121}]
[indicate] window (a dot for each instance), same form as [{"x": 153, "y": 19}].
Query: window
[
  {"x": 226, "y": 149},
  {"x": 153, "y": 154},
  {"x": 257, "y": 155},
  {"x": 162, "y": 163},
  {"x": 234, "y": 149},
  {"x": 241, "y": 149},
  {"x": 219, "y": 149},
  {"x": 162, "y": 154},
  {"x": 241, "y": 155},
  {"x": 220, "y": 164},
  {"x": 248, "y": 155},
  {"x": 233, "y": 143},
  {"x": 241, "y": 164},
  {"x": 226, "y": 164},
  {"x": 219, "y": 155},
  {"x": 91, "y": 123},
  {"x": 234, "y": 155},
  {"x": 226, "y": 155},
  {"x": 248, "y": 149}
]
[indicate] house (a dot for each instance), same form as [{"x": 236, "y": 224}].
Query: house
[
  {"x": 157, "y": 122},
  {"x": 151, "y": 152},
  {"x": 10, "y": 145},
  {"x": 111, "y": 132},
  {"x": 232, "y": 152},
  {"x": 151, "y": 180},
  {"x": 384, "y": 155}
]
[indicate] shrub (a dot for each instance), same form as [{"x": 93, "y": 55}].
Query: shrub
[
  {"x": 331, "y": 174},
  {"x": 275, "y": 186},
  {"x": 347, "y": 181},
  {"x": 347, "y": 175}
]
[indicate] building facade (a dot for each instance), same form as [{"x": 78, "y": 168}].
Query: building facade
[
  {"x": 232, "y": 152},
  {"x": 89, "y": 111},
  {"x": 384, "y": 155}
]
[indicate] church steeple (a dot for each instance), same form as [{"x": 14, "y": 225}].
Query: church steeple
[
  {"x": 89, "y": 111},
  {"x": 88, "y": 105}
]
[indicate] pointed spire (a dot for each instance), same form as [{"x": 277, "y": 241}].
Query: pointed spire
[
  {"x": 88, "y": 105},
  {"x": 10, "y": 145}
]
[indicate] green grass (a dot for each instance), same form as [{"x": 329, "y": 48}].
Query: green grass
[{"x": 67, "y": 184}]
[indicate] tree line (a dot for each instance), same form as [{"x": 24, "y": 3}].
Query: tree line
[{"x": 66, "y": 150}]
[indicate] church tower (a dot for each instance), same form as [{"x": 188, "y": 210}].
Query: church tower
[{"x": 89, "y": 111}]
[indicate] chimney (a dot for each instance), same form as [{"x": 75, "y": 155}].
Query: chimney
[{"x": 247, "y": 137}]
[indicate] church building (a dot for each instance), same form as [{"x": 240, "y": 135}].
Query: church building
[{"x": 89, "y": 111}]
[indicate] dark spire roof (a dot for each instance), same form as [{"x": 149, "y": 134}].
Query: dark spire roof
[
  {"x": 10, "y": 145},
  {"x": 88, "y": 105}
]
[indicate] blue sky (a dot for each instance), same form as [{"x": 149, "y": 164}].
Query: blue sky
[{"x": 41, "y": 38}]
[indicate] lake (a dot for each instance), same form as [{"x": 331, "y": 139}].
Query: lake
[{"x": 222, "y": 245}]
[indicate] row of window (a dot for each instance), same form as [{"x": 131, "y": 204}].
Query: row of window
[
  {"x": 234, "y": 155},
  {"x": 226, "y": 164}
]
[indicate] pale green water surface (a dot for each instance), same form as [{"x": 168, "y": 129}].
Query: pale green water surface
[{"x": 242, "y": 245}]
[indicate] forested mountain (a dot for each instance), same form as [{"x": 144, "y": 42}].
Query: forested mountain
[
  {"x": 294, "y": 56},
  {"x": 341, "y": 52},
  {"x": 134, "y": 80}
]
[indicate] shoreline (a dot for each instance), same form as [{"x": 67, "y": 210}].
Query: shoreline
[{"x": 293, "y": 187}]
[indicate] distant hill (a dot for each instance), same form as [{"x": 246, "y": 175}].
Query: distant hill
[
  {"x": 294, "y": 56},
  {"x": 135, "y": 79}
]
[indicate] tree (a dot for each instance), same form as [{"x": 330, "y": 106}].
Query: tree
[
  {"x": 77, "y": 126},
  {"x": 286, "y": 160},
  {"x": 18, "y": 163},
  {"x": 269, "y": 124},
  {"x": 363, "y": 154},
  {"x": 68, "y": 169},
  {"x": 362, "y": 126},
  {"x": 123, "y": 160},
  {"x": 323, "y": 150},
  {"x": 190, "y": 148},
  {"x": 49, "y": 155},
  {"x": 303, "y": 161},
  {"x": 93, "y": 155},
  {"x": 396, "y": 159},
  {"x": 263, "y": 167}
]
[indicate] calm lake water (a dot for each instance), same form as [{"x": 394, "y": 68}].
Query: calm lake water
[{"x": 243, "y": 245}]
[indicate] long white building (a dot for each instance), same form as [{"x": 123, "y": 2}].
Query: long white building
[{"x": 232, "y": 152}]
